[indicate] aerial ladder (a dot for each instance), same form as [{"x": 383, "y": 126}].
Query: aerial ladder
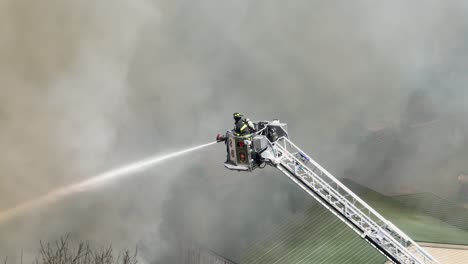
[{"x": 271, "y": 145}]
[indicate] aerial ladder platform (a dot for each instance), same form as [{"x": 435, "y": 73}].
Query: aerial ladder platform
[{"x": 271, "y": 145}]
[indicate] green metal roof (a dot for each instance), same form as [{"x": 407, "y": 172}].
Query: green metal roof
[
  {"x": 420, "y": 225},
  {"x": 313, "y": 236},
  {"x": 317, "y": 236},
  {"x": 436, "y": 207}
]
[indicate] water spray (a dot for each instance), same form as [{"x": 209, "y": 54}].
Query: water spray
[{"x": 93, "y": 182}]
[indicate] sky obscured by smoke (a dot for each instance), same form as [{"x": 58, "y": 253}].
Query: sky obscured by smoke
[{"x": 87, "y": 85}]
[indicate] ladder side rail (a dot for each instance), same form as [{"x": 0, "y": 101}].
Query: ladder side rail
[
  {"x": 367, "y": 226},
  {"x": 332, "y": 195},
  {"x": 389, "y": 225},
  {"x": 349, "y": 206},
  {"x": 341, "y": 185},
  {"x": 390, "y": 257},
  {"x": 395, "y": 233}
]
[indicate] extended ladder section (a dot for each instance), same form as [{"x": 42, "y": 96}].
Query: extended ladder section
[{"x": 346, "y": 205}]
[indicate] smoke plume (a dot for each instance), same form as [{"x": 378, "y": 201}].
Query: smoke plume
[{"x": 89, "y": 85}]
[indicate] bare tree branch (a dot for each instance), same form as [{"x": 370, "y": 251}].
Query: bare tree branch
[{"x": 63, "y": 253}]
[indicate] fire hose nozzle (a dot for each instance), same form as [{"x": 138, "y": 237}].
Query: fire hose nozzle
[{"x": 220, "y": 138}]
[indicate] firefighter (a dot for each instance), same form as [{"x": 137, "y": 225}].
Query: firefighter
[{"x": 242, "y": 126}]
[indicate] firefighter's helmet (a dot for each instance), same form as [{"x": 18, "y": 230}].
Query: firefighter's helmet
[{"x": 237, "y": 116}]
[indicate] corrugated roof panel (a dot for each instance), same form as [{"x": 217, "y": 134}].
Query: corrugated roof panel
[
  {"x": 437, "y": 207},
  {"x": 417, "y": 224},
  {"x": 314, "y": 237},
  {"x": 447, "y": 255}
]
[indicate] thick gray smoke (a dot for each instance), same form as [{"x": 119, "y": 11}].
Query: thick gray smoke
[{"x": 87, "y": 85}]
